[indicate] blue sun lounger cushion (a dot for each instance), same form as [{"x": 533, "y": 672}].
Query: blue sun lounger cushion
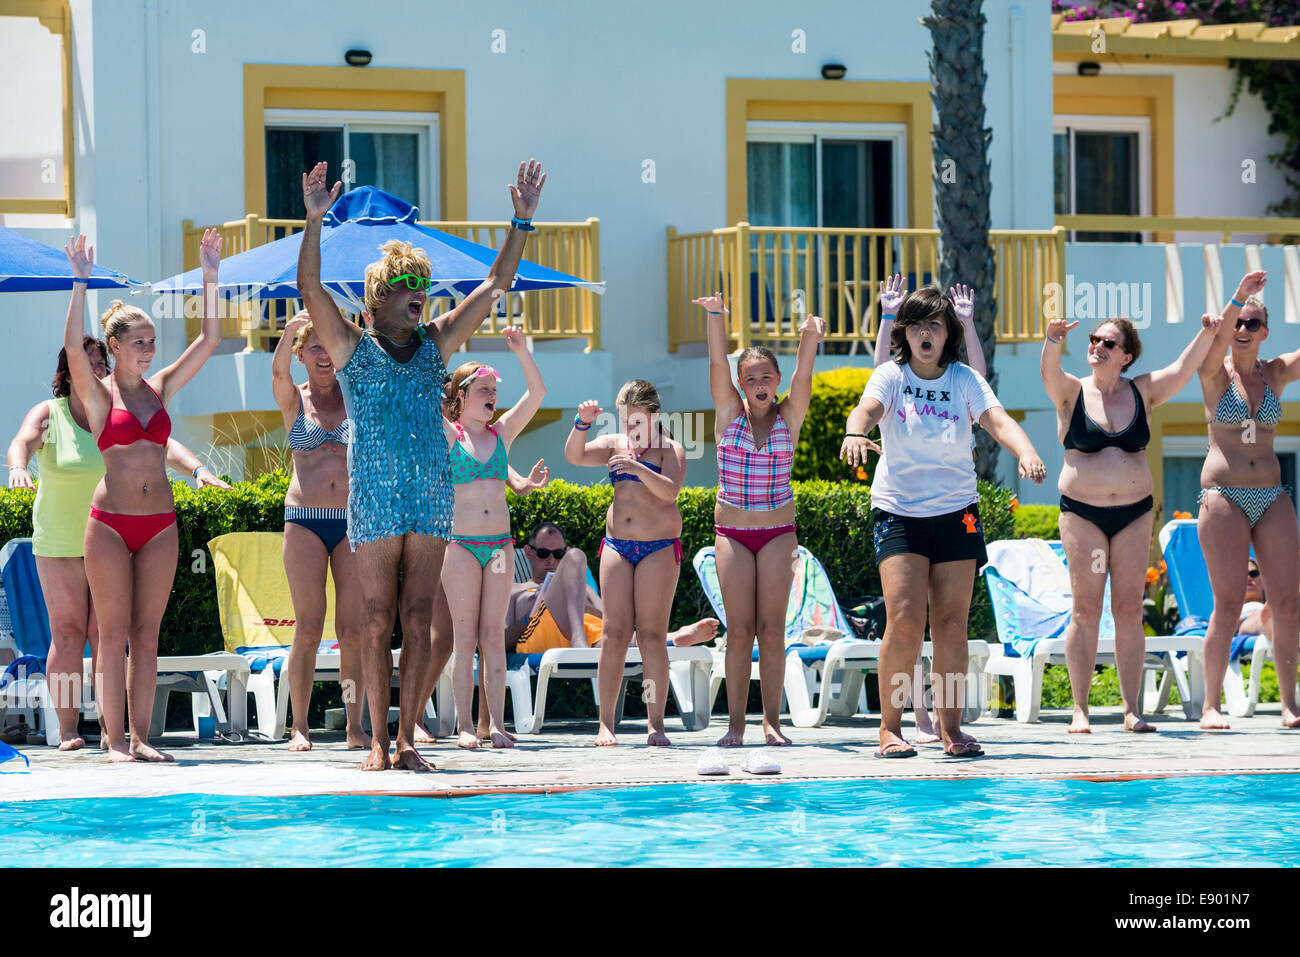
[{"x": 1190, "y": 579}]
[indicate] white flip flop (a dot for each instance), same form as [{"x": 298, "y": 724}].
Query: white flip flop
[
  {"x": 760, "y": 762},
  {"x": 712, "y": 762}
]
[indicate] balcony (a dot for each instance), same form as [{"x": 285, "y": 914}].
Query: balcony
[
  {"x": 573, "y": 248},
  {"x": 772, "y": 277}
]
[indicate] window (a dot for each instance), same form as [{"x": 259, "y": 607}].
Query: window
[
  {"x": 1102, "y": 167},
  {"x": 395, "y": 152},
  {"x": 1185, "y": 454},
  {"x": 804, "y": 175}
]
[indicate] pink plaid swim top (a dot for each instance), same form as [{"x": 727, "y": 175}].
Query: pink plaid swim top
[{"x": 757, "y": 481}]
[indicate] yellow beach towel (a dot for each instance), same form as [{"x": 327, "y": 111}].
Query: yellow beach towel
[{"x": 253, "y": 592}]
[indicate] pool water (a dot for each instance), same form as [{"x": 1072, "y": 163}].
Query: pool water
[{"x": 1198, "y": 821}]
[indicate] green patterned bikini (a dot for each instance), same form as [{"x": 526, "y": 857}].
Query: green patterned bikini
[{"x": 466, "y": 468}]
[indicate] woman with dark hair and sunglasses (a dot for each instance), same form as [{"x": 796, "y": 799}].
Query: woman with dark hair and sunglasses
[
  {"x": 1106, "y": 502},
  {"x": 925, "y": 513},
  {"x": 1243, "y": 501},
  {"x": 69, "y": 467}
]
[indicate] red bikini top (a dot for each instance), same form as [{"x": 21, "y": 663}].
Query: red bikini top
[{"x": 123, "y": 428}]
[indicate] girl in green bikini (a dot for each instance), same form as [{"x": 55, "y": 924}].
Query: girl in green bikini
[{"x": 479, "y": 566}]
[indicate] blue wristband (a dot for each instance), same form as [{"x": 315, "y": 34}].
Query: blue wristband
[
  {"x": 199, "y": 469},
  {"x": 888, "y": 315},
  {"x": 580, "y": 425},
  {"x": 1239, "y": 305},
  {"x": 525, "y": 225}
]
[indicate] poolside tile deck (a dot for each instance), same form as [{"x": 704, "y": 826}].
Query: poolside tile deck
[{"x": 562, "y": 758}]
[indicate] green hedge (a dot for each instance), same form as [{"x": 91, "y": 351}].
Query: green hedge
[
  {"x": 834, "y": 394},
  {"x": 834, "y": 524},
  {"x": 1038, "y": 521}
]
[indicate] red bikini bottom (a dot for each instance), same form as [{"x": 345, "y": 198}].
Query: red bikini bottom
[
  {"x": 136, "y": 531},
  {"x": 753, "y": 538}
]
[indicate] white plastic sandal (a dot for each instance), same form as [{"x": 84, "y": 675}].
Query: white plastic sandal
[
  {"x": 712, "y": 762},
  {"x": 761, "y": 762}
]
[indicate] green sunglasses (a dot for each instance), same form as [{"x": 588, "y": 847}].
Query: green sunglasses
[{"x": 412, "y": 281}]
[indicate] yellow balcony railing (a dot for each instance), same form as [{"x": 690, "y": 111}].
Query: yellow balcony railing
[
  {"x": 772, "y": 277},
  {"x": 1278, "y": 230},
  {"x": 573, "y": 248}
]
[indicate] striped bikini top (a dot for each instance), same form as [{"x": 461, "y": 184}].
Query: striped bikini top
[
  {"x": 466, "y": 468},
  {"x": 1233, "y": 408},
  {"x": 307, "y": 435},
  {"x": 750, "y": 479}
]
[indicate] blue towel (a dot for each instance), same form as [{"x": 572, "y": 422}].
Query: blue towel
[
  {"x": 20, "y": 668},
  {"x": 1023, "y": 621},
  {"x": 6, "y": 753},
  {"x": 259, "y": 658},
  {"x": 31, "y": 622}
]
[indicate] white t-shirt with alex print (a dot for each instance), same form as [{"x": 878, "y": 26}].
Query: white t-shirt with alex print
[{"x": 926, "y": 468}]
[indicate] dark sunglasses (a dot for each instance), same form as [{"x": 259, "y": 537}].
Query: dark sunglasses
[
  {"x": 1251, "y": 325},
  {"x": 1099, "y": 341},
  {"x": 1253, "y": 573},
  {"x": 412, "y": 281},
  {"x": 550, "y": 552}
]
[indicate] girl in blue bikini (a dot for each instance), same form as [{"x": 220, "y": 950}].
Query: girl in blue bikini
[
  {"x": 1243, "y": 500},
  {"x": 478, "y": 570},
  {"x": 641, "y": 553}
]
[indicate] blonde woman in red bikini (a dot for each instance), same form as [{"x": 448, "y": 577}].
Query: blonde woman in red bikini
[
  {"x": 755, "y": 544},
  {"x": 131, "y": 539}
]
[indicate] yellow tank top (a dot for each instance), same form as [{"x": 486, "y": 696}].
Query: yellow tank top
[{"x": 70, "y": 468}]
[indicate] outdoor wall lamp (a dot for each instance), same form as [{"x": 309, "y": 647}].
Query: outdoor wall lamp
[
  {"x": 357, "y": 57},
  {"x": 833, "y": 71},
  {"x": 1089, "y": 68}
]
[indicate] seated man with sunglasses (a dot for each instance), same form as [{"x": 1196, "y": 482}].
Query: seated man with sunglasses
[
  {"x": 568, "y": 613},
  {"x": 1254, "y": 608}
]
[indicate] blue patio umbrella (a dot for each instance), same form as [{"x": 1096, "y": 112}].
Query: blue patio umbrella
[
  {"x": 355, "y": 227},
  {"x": 28, "y": 265}
]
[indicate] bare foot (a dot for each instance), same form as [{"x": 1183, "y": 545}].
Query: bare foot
[
  {"x": 119, "y": 755},
  {"x": 657, "y": 739},
  {"x": 1290, "y": 719},
  {"x": 704, "y": 630},
  {"x": 484, "y": 734},
  {"x": 1134, "y": 723},
  {"x": 502, "y": 740},
  {"x": 377, "y": 759},
  {"x": 408, "y": 759},
  {"x": 147, "y": 752},
  {"x": 467, "y": 740},
  {"x": 927, "y": 737},
  {"x": 775, "y": 736},
  {"x": 422, "y": 735},
  {"x": 605, "y": 738},
  {"x": 74, "y": 743},
  {"x": 299, "y": 742},
  {"x": 358, "y": 740},
  {"x": 1211, "y": 720},
  {"x": 734, "y": 738},
  {"x": 1080, "y": 723}
]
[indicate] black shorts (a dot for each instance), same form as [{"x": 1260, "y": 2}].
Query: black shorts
[{"x": 951, "y": 537}]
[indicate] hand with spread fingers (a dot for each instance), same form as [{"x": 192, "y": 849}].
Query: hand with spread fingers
[
  {"x": 854, "y": 448},
  {"x": 712, "y": 304}
]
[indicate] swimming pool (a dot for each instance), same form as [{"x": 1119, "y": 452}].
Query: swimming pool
[{"x": 1196, "y": 821}]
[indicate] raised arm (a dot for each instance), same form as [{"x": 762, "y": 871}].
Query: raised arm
[
  {"x": 577, "y": 450},
  {"x": 892, "y": 293},
  {"x": 453, "y": 330},
  {"x": 1007, "y": 432},
  {"x": 1060, "y": 385},
  {"x": 795, "y": 406},
  {"x": 169, "y": 380},
  {"x": 1211, "y": 371},
  {"x": 525, "y": 485},
  {"x": 1163, "y": 384},
  {"x": 963, "y": 301},
  {"x": 183, "y": 460},
  {"x": 282, "y": 385},
  {"x": 29, "y": 439},
  {"x": 92, "y": 393},
  {"x": 514, "y": 419},
  {"x": 727, "y": 403},
  {"x": 337, "y": 335}
]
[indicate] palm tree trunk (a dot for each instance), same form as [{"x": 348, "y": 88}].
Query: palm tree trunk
[{"x": 961, "y": 174}]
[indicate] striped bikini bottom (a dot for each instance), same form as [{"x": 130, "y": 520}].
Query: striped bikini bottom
[{"x": 1253, "y": 501}]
